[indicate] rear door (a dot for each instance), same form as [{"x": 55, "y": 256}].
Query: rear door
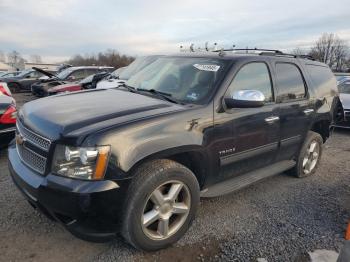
[{"x": 294, "y": 107}]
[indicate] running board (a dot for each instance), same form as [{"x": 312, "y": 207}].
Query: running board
[{"x": 234, "y": 184}]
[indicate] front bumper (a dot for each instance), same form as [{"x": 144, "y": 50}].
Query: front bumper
[{"x": 90, "y": 210}]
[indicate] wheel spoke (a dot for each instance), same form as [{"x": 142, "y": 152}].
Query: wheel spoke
[
  {"x": 150, "y": 217},
  {"x": 308, "y": 165},
  {"x": 305, "y": 161},
  {"x": 174, "y": 191},
  {"x": 313, "y": 146},
  {"x": 157, "y": 197},
  {"x": 163, "y": 227},
  {"x": 180, "y": 208}
]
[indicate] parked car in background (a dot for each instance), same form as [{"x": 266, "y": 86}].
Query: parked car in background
[
  {"x": 87, "y": 83},
  {"x": 8, "y": 114},
  {"x": 119, "y": 79},
  {"x": 70, "y": 74},
  {"x": 343, "y": 113},
  {"x": 137, "y": 158},
  {"x": 340, "y": 76},
  {"x": 11, "y": 74},
  {"x": 22, "y": 81}
]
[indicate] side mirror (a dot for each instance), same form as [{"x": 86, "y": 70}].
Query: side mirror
[
  {"x": 28, "y": 76},
  {"x": 245, "y": 99}
]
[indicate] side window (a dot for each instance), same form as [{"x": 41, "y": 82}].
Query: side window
[
  {"x": 37, "y": 74},
  {"x": 91, "y": 72},
  {"x": 32, "y": 74},
  {"x": 322, "y": 77},
  {"x": 79, "y": 74},
  {"x": 289, "y": 81},
  {"x": 253, "y": 76}
]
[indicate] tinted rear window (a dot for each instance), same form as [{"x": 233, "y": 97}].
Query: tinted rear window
[{"x": 323, "y": 78}]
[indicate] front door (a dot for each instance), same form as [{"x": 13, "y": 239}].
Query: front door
[{"x": 255, "y": 131}]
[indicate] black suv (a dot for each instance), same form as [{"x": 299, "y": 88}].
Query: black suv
[{"x": 137, "y": 159}]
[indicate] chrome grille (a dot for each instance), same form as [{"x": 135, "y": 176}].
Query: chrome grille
[
  {"x": 31, "y": 148},
  {"x": 33, "y": 138},
  {"x": 32, "y": 159}
]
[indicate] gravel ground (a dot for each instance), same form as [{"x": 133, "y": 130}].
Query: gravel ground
[{"x": 279, "y": 219}]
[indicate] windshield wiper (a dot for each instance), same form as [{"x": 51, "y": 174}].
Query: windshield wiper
[
  {"x": 162, "y": 95},
  {"x": 129, "y": 88}
]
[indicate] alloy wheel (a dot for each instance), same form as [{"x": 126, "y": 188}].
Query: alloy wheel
[
  {"x": 166, "y": 210},
  {"x": 311, "y": 157}
]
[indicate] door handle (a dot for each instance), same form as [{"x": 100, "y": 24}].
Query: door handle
[
  {"x": 272, "y": 119},
  {"x": 308, "y": 111}
]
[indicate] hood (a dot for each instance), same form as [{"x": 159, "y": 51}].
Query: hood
[
  {"x": 44, "y": 72},
  {"x": 64, "y": 115},
  {"x": 345, "y": 100}
]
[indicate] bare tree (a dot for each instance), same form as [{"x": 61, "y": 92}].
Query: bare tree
[
  {"x": 108, "y": 58},
  {"x": 332, "y": 50},
  {"x": 35, "y": 59},
  {"x": 2, "y": 57},
  {"x": 299, "y": 51},
  {"x": 13, "y": 58}
]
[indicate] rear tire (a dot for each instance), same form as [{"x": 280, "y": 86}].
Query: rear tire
[
  {"x": 309, "y": 156},
  {"x": 161, "y": 204}
]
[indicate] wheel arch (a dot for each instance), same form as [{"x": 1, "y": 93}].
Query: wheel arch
[
  {"x": 322, "y": 127},
  {"x": 193, "y": 157}
]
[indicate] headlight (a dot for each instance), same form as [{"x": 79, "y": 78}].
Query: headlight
[{"x": 81, "y": 162}]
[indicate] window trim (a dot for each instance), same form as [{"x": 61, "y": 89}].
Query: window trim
[
  {"x": 306, "y": 89},
  {"x": 270, "y": 75}
]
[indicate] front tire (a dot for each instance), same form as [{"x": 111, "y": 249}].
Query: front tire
[
  {"x": 309, "y": 156},
  {"x": 161, "y": 205}
]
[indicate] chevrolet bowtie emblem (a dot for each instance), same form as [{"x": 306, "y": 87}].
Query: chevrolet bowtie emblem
[{"x": 19, "y": 139}]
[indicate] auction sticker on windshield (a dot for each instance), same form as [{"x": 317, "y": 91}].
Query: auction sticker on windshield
[{"x": 211, "y": 68}]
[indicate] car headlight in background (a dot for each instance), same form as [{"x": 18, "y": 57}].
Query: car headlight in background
[{"x": 81, "y": 162}]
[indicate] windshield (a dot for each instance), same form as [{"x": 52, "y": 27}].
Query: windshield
[
  {"x": 344, "y": 88},
  {"x": 138, "y": 64},
  {"x": 65, "y": 73},
  {"x": 188, "y": 80}
]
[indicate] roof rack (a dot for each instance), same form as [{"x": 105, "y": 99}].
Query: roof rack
[
  {"x": 250, "y": 49},
  {"x": 263, "y": 52},
  {"x": 266, "y": 52}
]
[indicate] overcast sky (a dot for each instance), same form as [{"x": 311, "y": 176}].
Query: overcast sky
[{"x": 58, "y": 29}]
